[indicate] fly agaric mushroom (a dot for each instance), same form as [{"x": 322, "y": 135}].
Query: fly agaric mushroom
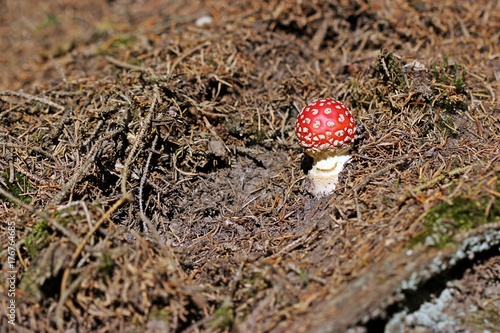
[{"x": 326, "y": 129}]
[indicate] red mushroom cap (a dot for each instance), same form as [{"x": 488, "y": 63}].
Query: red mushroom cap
[{"x": 325, "y": 124}]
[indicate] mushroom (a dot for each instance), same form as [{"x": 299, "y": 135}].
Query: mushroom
[{"x": 326, "y": 129}]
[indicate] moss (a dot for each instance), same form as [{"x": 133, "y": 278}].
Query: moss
[
  {"x": 234, "y": 126},
  {"x": 484, "y": 318},
  {"x": 450, "y": 75},
  {"x": 223, "y": 317},
  {"x": 119, "y": 42},
  {"x": 449, "y": 86},
  {"x": 160, "y": 314},
  {"x": 256, "y": 134},
  {"x": 19, "y": 187},
  {"x": 48, "y": 22},
  {"x": 107, "y": 264},
  {"x": 447, "y": 126},
  {"x": 67, "y": 216},
  {"x": 37, "y": 239},
  {"x": 390, "y": 69},
  {"x": 445, "y": 220}
]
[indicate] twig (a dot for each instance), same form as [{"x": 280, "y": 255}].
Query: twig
[
  {"x": 90, "y": 158},
  {"x": 384, "y": 159},
  {"x": 356, "y": 200},
  {"x": 83, "y": 205},
  {"x": 434, "y": 181},
  {"x": 166, "y": 249},
  {"x": 125, "y": 65},
  {"x": 62, "y": 299},
  {"x": 58, "y": 128},
  {"x": 80, "y": 247},
  {"x": 320, "y": 34},
  {"x": 187, "y": 53},
  {"x": 71, "y": 236},
  {"x": 366, "y": 180},
  {"x": 302, "y": 239},
  {"x": 31, "y": 97},
  {"x": 137, "y": 144},
  {"x": 34, "y": 148},
  {"x": 11, "y": 169},
  {"x": 144, "y": 177}
]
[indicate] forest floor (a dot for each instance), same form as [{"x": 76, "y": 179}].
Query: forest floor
[{"x": 150, "y": 179}]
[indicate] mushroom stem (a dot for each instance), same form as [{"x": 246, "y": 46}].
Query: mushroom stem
[{"x": 324, "y": 174}]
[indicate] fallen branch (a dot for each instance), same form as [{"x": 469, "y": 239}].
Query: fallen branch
[{"x": 29, "y": 97}]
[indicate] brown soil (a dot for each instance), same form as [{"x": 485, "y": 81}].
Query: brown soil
[{"x": 149, "y": 165}]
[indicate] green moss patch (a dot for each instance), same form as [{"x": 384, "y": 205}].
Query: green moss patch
[
  {"x": 19, "y": 187},
  {"x": 223, "y": 317},
  {"x": 37, "y": 239},
  {"x": 447, "y": 219}
]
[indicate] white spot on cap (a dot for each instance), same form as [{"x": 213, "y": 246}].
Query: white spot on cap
[
  {"x": 307, "y": 121},
  {"x": 316, "y": 124},
  {"x": 327, "y": 111},
  {"x": 341, "y": 118},
  {"x": 330, "y": 123},
  {"x": 315, "y": 111},
  {"x": 339, "y": 133}
]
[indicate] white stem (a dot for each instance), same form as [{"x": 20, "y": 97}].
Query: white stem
[{"x": 325, "y": 172}]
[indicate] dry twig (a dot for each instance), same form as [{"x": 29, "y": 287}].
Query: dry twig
[
  {"x": 89, "y": 159},
  {"x": 29, "y": 97},
  {"x": 76, "y": 254},
  {"x": 138, "y": 143},
  {"x": 71, "y": 236}
]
